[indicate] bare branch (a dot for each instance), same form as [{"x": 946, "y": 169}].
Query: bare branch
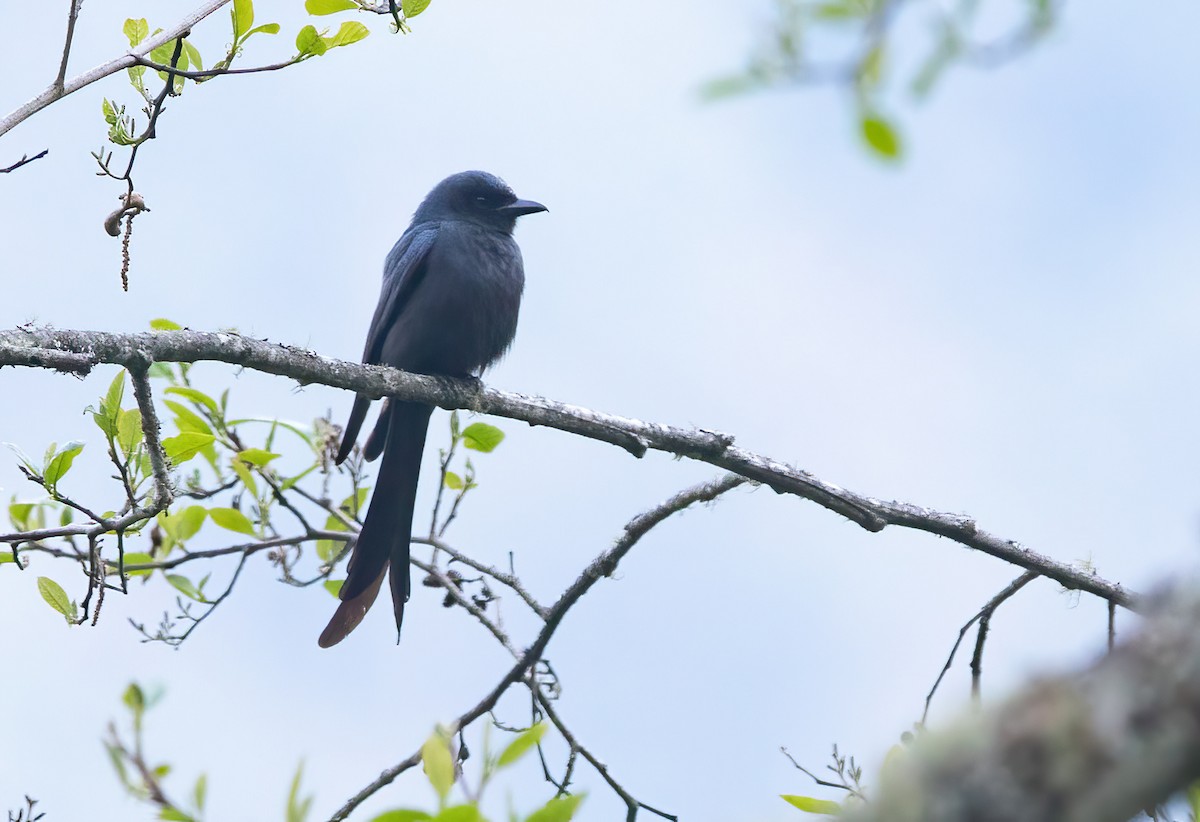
[
  {"x": 25, "y": 160},
  {"x": 984, "y": 613},
  {"x": 207, "y": 74},
  {"x": 72, "y": 16}
]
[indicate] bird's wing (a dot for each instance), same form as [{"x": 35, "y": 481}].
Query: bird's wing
[{"x": 402, "y": 272}]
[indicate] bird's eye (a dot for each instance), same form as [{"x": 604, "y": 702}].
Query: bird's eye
[{"x": 482, "y": 202}]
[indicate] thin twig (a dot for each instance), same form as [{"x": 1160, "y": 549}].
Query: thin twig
[
  {"x": 984, "y": 613},
  {"x": 209, "y": 73},
  {"x": 72, "y": 15},
  {"x": 25, "y": 160}
]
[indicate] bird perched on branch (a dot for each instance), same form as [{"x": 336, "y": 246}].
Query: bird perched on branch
[{"x": 451, "y": 294}]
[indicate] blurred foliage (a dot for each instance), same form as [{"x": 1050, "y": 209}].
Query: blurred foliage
[{"x": 874, "y": 62}]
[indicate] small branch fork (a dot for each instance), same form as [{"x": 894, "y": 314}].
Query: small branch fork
[
  {"x": 983, "y": 617},
  {"x": 78, "y": 351}
]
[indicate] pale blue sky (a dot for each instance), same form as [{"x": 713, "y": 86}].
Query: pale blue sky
[{"x": 1003, "y": 325}]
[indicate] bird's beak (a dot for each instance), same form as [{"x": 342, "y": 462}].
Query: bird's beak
[{"x": 521, "y": 207}]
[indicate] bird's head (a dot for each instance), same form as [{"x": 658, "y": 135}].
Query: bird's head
[{"x": 477, "y": 197}]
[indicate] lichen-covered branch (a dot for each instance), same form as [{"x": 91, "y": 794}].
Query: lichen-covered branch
[{"x": 1096, "y": 745}]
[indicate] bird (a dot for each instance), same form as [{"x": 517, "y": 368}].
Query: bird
[{"x": 448, "y": 306}]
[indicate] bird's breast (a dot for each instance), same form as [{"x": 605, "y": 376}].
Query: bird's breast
[{"x": 462, "y": 316}]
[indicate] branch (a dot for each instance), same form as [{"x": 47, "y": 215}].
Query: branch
[
  {"x": 603, "y": 565},
  {"x": 72, "y": 16},
  {"x": 25, "y": 160},
  {"x": 164, "y": 493},
  {"x": 210, "y": 73},
  {"x": 33, "y": 346},
  {"x": 983, "y": 617},
  {"x": 1099, "y": 744},
  {"x": 56, "y": 91}
]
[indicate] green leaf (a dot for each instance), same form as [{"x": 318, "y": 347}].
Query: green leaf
[
  {"x": 460, "y": 813},
  {"x": 245, "y": 476},
  {"x": 350, "y": 31},
  {"x": 840, "y": 11},
  {"x": 19, "y": 513},
  {"x": 183, "y": 525},
  {"x": 182, "y": 448},
  {"x": 129, "y": 431},
  {"x": 256, "y": 456},
  {"x": 60, "y": 464},
  {"x": 412, "y": 8},
  {"x": 196, "y": 396},
  {"x": 137, "y": 76},
  {"x": 881, "y": 137},
  {"x": 1193, "y": 798},
  {"x": 188, "y": 420},
  {"x": 110, "y": 406},
  {"x": 136, "y": 558},
  {"x": 479, "y": 436},
  {"x": 175, "y": 815},
  {"x": 319, "y": 7},
  {"x": 163, "y": 54},
  {"x": 118, "y": 765},
  {"x": 200, "y": 792},
  {"x": 354, "y": 503},
  {"x": 400, "y": 815},
  {"x": 437, "y": 763},
  {"x": 731, "y": 86},
  {"x": 334, "y": 586},
  {"x": 136, "y": 30},
  {"x": 232, "y": 519},
  {"x": 265, "y": 28},
  {"x": 134, "y": 698},
  {"x": 558, "y": 809},
  {"x": 309, "y": 42},
  {"x": 810, "y": 805},
  {"x": 453, "y": 481},
  {"x": 193, "y": 55},
  {"x": 870, "y": 69},
  {"x": 161, "y": 370},
  {"x": 56, "y": 597},
  {"x": 327, "y": 549},
  {"x": 520, "y": 746},
  {"x": 243, "y": 17},
  {"x": 161, "y": 323},
  {"x": 297, "y": 808},
  {"x": 6, "y": 556},
  {"x": 185, "y": 587}
]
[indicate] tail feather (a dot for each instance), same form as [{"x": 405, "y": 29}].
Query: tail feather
[
  {"x": 357, "y": 414},
  {"x": 378, "y": 436},
  {"x": 387, "y": 530}
]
